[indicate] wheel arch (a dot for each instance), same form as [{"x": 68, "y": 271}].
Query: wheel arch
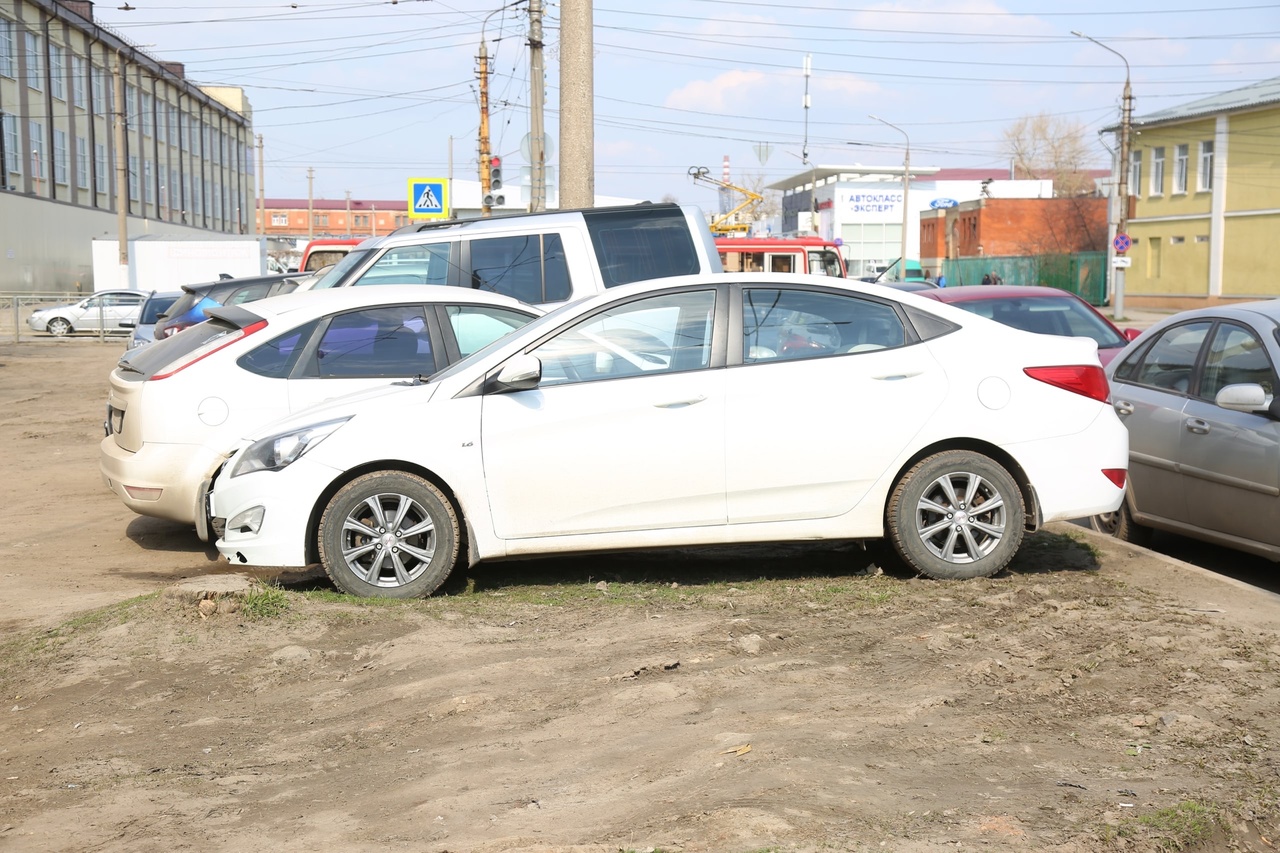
[
  {"x": 986, "y": 448},
  {"x": 317, "y": 510}
]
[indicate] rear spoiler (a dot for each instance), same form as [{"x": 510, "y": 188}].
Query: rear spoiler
[{"x": 234, "y": 315}]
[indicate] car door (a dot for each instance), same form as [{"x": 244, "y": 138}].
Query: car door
[
  {"x": 361, "y": 349},
  {"x": 1149, "y": 391},
  {"x": 92, "y": 313},
  {"x": 122, "y": 307},
  {"x": 1229, "y": 460},
  {"x": 829, "y": 393},
  {"x": 624, "y": 432}
]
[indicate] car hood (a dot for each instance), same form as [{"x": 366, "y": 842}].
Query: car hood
[{"x": 370, "y": 402}]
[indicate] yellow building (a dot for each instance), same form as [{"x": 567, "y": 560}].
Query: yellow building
[{"x": 1204, "y": 186}]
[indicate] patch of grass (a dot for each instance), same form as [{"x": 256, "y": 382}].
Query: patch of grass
[
  {"x": 264, "y": 602},
  {"x": 1180, "y": 827},
  {"x": 22, "y": 651}
]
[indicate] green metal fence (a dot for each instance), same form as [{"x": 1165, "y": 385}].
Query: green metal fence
[{"x": 1084, "y": 273}]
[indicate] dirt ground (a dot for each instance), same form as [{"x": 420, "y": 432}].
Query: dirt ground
[{"x": 1094, "y": 697}]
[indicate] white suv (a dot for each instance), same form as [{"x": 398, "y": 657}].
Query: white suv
[{"x": 538, "y": 258}]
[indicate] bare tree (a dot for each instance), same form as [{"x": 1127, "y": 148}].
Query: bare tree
[{"x": 1044, "y": 146}]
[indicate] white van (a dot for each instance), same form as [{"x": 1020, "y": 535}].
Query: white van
[{"x": 539, "y": 258}]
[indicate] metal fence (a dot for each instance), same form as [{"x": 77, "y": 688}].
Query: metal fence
[
  {"x": 16, "y": 307},
  {"x": 1084, "y": 273}
]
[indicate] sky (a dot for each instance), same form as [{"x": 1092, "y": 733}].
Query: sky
[{"x": 371, "y": 93}]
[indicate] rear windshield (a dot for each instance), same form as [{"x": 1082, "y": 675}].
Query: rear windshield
[
  {"x": 146, "y": 362},
  {"x": 153, "y": 308},
  {"x": 634, "y": 245}
]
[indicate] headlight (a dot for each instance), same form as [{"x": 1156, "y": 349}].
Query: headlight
[{"x": 279, "y": 451}]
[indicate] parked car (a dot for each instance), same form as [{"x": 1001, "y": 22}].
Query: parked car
[
  {"x": 1046, "y": 310},
  {"x": 703, "y": 409},
  {"x": 144, "y": 328},
  {"x": 541, "y": 258},
  {"x": 1198, "y": 394},
  {"x": 177, "y": 407},
  {"x": 196, "y": 299},
  {"x": 103, "y": 311},
  {"x": 325, "y": 252}
]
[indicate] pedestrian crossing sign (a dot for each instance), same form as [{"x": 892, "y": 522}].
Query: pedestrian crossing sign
[{"x": 428, "y": 198}]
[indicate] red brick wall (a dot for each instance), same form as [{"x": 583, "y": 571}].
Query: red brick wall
[{"x": 1017, "y": 226}]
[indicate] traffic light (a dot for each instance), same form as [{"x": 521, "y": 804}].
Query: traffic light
[{"x": 495, "y": 198}]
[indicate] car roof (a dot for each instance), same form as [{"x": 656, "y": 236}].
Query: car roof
[
  {"x": 1268, "y": 308},
  {"x": 320, "y": 302},
  {"x": 968, "y": 292}
]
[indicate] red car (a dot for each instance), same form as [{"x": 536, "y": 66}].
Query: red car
[{"x": 1046, "y": 310}]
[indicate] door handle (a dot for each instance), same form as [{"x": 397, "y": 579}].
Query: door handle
[
  {"x": 1197, "y": 426},
  {"x": 680, "y": 404},
  {"x": 1123, "y": 407}
]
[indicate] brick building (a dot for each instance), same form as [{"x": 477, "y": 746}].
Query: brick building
[
  {"x": 1013, "y": 227},
  {"x": 301, "y": 219}
]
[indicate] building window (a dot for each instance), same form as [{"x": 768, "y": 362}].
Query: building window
[
  {"x": 1177, "y": 241},
  {"x": 173, "y": 201},
  {"x": 148, "y": 123},
  {"x": 100, "y": 167},
  {"x": 60, "y": 156},
  {"x": 35, "y": 64},
  {"x": 1204, "y": 178},
  {"x": 82, "y": 163},
  {"x": 8, "y": 53},
  {"x": 1135, "y": 172},
  {"x": 1157, "y": 171},
  {"x": 321, "y": 220},
  {"x": 12, "y": 162},
  {"x": 57, "y": 72},
  {"x": 37, "y": 149},
  {"x": 130, "y": 105},
  {"x": 279, "y": 220},
  {"x": 97, "y": 91},
  {"x": 149, "y": 181},
  {"x": 1202, "y": 238},
  {"x": 77, "y": 80},
  {"x": 1180, "y": 170},
  {"x": 161, "y": 121},
  {"x": 133, "y": 177}
]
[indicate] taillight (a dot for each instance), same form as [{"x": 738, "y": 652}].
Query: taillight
[
  {"x": 209, "y": 349},
  {"x": 1086, "y": 379},
  {"x": 170, "y": 331},
  {"x": 1116, "y": 475}
]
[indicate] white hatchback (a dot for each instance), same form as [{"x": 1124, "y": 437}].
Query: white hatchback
[
  {"x": 179, "y": 406},
  {"x": 696, "y": 410}
]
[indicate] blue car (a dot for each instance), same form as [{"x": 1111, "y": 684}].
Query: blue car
[{"x": 190, "y": 307}]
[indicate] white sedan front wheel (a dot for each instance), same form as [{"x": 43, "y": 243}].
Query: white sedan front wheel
[
  {"x": 389, "y": 534},
  {"x": 956, "y": 515}
]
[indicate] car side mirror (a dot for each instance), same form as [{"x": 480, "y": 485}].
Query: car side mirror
[
  {"x": 521, "y": 372},
  {"x": 1247, "y": 397},
  {"x": 1131, "y": 334}
]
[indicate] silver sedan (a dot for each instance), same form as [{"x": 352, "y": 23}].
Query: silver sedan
[{"x": 1198, "y": 394}]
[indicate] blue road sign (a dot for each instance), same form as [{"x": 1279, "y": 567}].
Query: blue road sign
[
  {"x": 1122, "y": 243},
  {"x": 428, "y": 198}
]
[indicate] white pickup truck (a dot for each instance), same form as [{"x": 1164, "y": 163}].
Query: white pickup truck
[{"x": 539, "y": 258}]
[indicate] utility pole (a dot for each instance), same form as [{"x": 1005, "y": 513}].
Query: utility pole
[
  {"x": 262, "y": 191},
  {"x": 906, "y": 189},
  {"x": 577, "y": 105},
  {"x": 483, "y": 74},
  {"x": 537, "y": 130},
  {"x": 1122, "y": 217},
  {"x": 311, "y": 215},
  {"x": 122, "y": 177}
]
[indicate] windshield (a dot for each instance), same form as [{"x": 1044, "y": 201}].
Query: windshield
[
  {"x": 154, "y": 307},
  {"x": 341, "y": 271},
  {"x": 1063, "y": 315},
  {"x": 533, "y": 328}
]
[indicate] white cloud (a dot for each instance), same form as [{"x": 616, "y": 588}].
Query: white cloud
[{"x": 716, "y": 95}]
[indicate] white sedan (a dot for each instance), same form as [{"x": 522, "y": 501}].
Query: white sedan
[
  {"x": 178, "y": 407},
  {"x": 104, "y": 311},
  {"x": 695, "y": 410}
]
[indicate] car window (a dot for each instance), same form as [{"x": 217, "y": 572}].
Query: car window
[
  {"x": 418, "y": 264},
  {"x": 634, "y": 245},
  {"x": 251, "y": 293},
  {"x": 1168, "y": 362},
  {"x": 790, "y": 324},
  {"x": 154, "y": 307},
  {"x": 476, "y": 326},
  {"x": 662, "y": 334},
  {"x": 528, "y": 267},
  {"x": 1058, "y": 315},
  {"x": 388, "y": 341},
  {"x": 275, "y": 358},
  {"x": 1236, "y": 356}
]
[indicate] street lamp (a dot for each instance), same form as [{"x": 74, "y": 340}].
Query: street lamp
[
  {"x": 1126, "y": 119},
  {"x": 906, "y": 189}
]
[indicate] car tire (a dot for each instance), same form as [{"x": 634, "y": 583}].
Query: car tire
[
  {"x": 1121, "y": 525},
  {"x": 956, "y": 515},
  {"x": 361, "y": 553},
  {"x": 59, "y": 326}
]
